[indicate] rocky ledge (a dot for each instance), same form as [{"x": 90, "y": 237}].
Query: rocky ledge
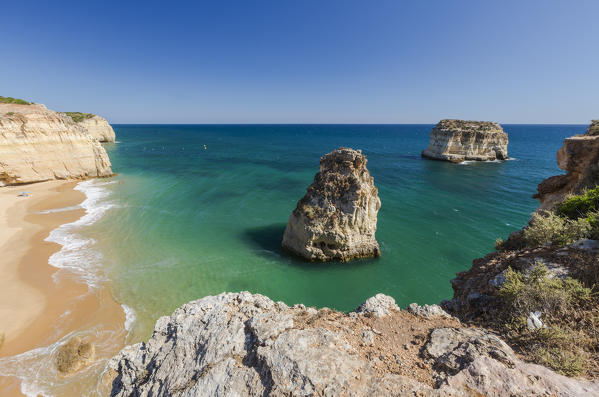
[
  {"x": 94, "y": 125},
  {"x": 579, "y": 157},
  {"x": 459, "y": 140},
  {"x": 37, "y": 144},
  {"x": 239, "y": 344},
  {"x": 336, "y": 219}
]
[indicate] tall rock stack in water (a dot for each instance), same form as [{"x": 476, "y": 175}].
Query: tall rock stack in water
[
  {"x": 459, "y": 140},
  {"x": 336, "y": 219}
]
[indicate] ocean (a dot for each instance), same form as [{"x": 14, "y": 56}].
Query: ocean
[
  {"x": 197, "y": 210},
  {"x": 200, "y": 209}
]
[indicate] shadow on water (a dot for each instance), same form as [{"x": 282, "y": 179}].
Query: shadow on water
[{"x": 267, "y": 239}]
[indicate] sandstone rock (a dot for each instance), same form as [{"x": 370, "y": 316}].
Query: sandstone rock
[
  {"x": 579, "y": 157},
  {"x": 98, "y": 128},
  {"x": 74, "y": 355},
  {"x": 459, "y": 140},
  {"x": 37, "y": 144},
  {"x": 336, "y": 219}
]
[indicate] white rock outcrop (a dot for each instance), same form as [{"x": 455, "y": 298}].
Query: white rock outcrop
[
  {"x": 37, "y": 144},
  {"x": 336, "y": 219},
  {"x": 239, "y": 344},
  {"x": 459, "y": 140},
  {"x": 98, "y": 128}
]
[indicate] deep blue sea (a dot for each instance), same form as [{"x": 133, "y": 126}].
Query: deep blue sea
[{"x": 201, "y": 209}]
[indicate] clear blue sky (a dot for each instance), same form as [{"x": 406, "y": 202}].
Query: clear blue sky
[{"x": 312, "y": 61}]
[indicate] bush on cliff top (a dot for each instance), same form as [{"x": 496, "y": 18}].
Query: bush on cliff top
[
  {"x": 579, "y": 206},
  {"x": 567, "y": 338},
  {"x": 555, "y": 229},
  {"x": 78, "y": 116},
  {"x": 7, "y": 99}
]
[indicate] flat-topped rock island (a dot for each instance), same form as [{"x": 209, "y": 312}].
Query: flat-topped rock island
[{"x": 460, "y": 140}]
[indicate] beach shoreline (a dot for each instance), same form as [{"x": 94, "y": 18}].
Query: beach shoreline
[{"x": 41, "y": 304}]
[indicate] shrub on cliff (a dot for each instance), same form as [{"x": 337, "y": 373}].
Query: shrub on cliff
[
  {"x": 7, "y": 99},
  {"x": 78, "y": 116},
  {"x": 566, "y": 335},
  {"x": 579, "y": 206},
  {"x": 556, "y": 230}
]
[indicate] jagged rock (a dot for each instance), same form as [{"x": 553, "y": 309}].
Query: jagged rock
[
  {"x": 239, "y": 344},
  {"x": 459, "y": 140},
  {"x": 74, "y": 355},
  {"x": 478, "y": 361},
  {"x": 37, "y": 144},
  {"x": 379, "y": 305},
  {"x": 246, "y": 345},
  {"x": 579, "y": 157},
  {"x": 427, "y": 311},
  {"x": 336, "y": 219},
  {"x": 98, "y": 128}
]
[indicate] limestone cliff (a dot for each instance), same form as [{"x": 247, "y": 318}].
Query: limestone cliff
[
  {"x": 94, "y": 125},
  {"x": 37, "y": 144},
  {"x": 247, "y": 345},
  {"x": 336, "y": 219},
  {"x": 459, "y": 140},
  {"x": 579, "y": 157}
]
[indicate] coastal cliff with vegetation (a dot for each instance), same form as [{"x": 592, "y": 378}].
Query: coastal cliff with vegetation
[
  {"x": 460, "y": 140},
  {"x": 38, "y": 144},
  {"x": 523, "y": 321},
  {"x": 94, "y": 125}
]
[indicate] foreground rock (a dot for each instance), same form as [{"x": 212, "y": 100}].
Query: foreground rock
[
  {"x": 579, "y": 157},
  {"x": 247, "y": 345},
  {"x": 94, "y": 125},
  {"x": 459, "y": 140},
  {"x": 37, "y": 144},
  {"x": 74, "y": 355},
  {"x": 336, "y": 219}
]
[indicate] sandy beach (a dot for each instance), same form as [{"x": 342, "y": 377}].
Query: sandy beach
[{"x": 36, "y": 309}]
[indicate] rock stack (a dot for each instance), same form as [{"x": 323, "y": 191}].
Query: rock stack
[
  {"x": 459, "y": 140},
  {"x": 336, "y": 219}
]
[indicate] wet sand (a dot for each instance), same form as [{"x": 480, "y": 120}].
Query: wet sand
[{"x": 40, "y": 304}]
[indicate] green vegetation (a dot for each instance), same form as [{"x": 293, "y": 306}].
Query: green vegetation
[
  {"x": 593, "y": 128},
  {"x": 7, "y": 99},
  {"x": 579, "y": 206},
  {"x": 567, "y": 339},
  {"x": 78, "y": 116},
  {"x": 10, "y": 113},
  {"x": 556, "y": 230}
]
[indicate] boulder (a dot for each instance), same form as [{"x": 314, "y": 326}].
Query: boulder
[
  {"x": 336, "y": 219},
  {"x": 74, "y": 355},
  {"x": 459, "y": 140}
]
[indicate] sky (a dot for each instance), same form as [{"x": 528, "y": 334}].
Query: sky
[{"x": 308, "y": 61}]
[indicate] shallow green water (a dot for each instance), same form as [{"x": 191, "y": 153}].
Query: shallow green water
[{"x": 190, "y": 220}]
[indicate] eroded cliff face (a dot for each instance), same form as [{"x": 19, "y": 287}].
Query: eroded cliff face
[
  {"x": 579, "y": 157},
  {"x": 336, "y": 219},
  {"x": 37, "y": 144},
  {"x": 459, "y": 140},
  {"x": 98, "y": 128},
  {"x": 239, "y": 344}
]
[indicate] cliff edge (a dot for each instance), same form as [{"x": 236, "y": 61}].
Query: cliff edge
[
  {"x": 459, "y": 140},
  {"x": 37, "y": 144},
  {"x": 94, "y": 125}
]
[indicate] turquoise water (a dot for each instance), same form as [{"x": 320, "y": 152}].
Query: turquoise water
[{"x": 192, "y": 220}]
